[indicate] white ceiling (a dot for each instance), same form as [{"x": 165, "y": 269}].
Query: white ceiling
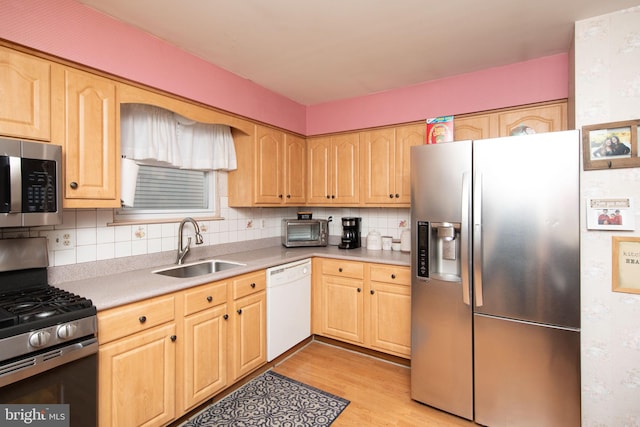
[{"x": 314, "y": 51}]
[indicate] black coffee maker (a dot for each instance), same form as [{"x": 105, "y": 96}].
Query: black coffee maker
[{"x": 350, "y": 232}]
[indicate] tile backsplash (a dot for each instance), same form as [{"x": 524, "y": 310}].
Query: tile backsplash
[{"x": 87, "y": 235}]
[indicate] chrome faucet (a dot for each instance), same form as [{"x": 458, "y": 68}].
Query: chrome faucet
[{"x": 182, "y": 251}]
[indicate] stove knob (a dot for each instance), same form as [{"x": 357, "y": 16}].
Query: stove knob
[
  {"x": 39, "y": 339},
  {"x": 67, "y": 331}
]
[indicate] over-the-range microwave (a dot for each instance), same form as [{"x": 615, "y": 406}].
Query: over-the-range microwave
[
  {"x": 30, "y": 181},
  {"x": 305, "y": 232}
]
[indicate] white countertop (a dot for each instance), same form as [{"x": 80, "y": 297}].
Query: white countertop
[{"x": 122, "y": 288}]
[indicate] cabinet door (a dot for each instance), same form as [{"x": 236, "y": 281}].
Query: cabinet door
[
  {"x": 249, "y": 344},
  {"x": 378, "y": 166},
  {"x": 345, "y": 163},
  {"x": 406, "y": 137},
  {"x": 295, "y": 170},
  {"x": 473, "y": 127},
  {"x": 269, "y": 165},
  {"x": 136, "y": 385},
  {"x": 544, "y": 118},
  {"x": 391, "y": 318},
  {"x": 205, "y": 338},
  {"x": 342, "y": 308},
  {"x": 318, "y": 171},
  {"x": 92, "y": 151},
  {"x": 25, "y": 81}
]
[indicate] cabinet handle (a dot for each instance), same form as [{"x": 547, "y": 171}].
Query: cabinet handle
[
  {"x": 173, "y": 338},
  {"x": 393, "y": 276},
  {"x": 253, "y": 285},
  {"x": 359, "y": 290},
  {"x": 225, "y": 317},
  {"x": 209, "y": 298},
  {"x": 142, "y": 319},
  {"x": 239, "y": 311},
  {"x": 397, "y": 196},
  {"x": 288, "y": 196},
  {"x": 333, "y": 196},
  {"x": 328, "y": 196},
  {"x": 391, "y": 196},
  {"x": 280, "y": 196},
  {"x": 372, "y": 292},
  {"x": 73, "y": 185},
  {"x": 340, "y": 270}
]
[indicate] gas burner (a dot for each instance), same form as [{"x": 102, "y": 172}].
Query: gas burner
[{"x": 39, "y": 304}]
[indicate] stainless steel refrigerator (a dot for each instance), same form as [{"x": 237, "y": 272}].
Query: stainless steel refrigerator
[{"x": 496, "y": 279}]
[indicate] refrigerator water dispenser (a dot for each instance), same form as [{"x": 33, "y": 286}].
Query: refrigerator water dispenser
[{"x": 438, "y": 251}]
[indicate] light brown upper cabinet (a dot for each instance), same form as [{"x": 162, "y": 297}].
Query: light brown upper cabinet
[
  {"x": 271, "y": 169},
  {"x": 280, "y": 161},
  {"x": 385, "y": 164},
  {"x": 473, "y": 127},
  {"x": 25, "y": 85},
  {"x": 544, "y": 117},
  {"x": 86, "y": 121},
  {"x": 333, "y": 170}
]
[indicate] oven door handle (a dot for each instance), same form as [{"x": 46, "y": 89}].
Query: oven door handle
[{"x": 33, "y": 365}]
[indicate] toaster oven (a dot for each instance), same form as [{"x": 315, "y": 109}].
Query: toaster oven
[{"x": 305, "y": 232}]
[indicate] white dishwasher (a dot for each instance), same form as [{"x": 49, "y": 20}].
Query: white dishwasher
[{"x": 288, "y": 306}]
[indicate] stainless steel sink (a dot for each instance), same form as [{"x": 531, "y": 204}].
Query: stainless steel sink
[{"x": 198, "y": 268}]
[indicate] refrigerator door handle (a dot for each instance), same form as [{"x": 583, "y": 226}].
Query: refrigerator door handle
[
  {"x": 464, "y": 237},
  {"x": 477, "y": 239}
]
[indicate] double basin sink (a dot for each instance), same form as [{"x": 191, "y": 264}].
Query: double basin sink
[{"x": 198, "y": 268}]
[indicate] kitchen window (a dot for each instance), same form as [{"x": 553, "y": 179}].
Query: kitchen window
[{"x": 170, "y": 164}]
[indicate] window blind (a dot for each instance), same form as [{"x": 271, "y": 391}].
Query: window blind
[{"x": 169, "y": 188}]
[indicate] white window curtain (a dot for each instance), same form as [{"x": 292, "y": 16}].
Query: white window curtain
[{"x": 154, "y": 136}]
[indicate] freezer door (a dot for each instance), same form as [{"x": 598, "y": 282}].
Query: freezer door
[
  {"x": 441, "y": 348},
  {"x": 526, "y": 375},
  {"x": 526, "y": 228},
  {"x": 441, "y": 321}
]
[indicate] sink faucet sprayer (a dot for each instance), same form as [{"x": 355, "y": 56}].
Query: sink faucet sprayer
[{"x": 182, "y": 251}]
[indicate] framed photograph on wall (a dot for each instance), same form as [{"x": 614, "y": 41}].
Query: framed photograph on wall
[
  {"x": 611, "y": 145},
  {"x": 625, "y": 266},
  {"x": 611, "y": 213}
]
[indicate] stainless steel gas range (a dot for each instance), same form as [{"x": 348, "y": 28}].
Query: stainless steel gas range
[{"x": 48, "y": 345}]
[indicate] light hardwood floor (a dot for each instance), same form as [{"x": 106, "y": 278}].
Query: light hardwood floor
[{"x": 378, "y": 390}]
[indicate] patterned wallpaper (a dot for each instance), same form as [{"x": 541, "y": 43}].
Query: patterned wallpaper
[{"x": 607, "y": 88}]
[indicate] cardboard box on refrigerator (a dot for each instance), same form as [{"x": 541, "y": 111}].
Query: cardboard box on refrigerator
[{"x": 439, "y": 129}]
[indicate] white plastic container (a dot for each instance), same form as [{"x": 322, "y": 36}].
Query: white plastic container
[{"x": 374, "y": 241}]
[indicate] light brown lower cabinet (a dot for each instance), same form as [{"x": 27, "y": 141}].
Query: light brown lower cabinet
[
  {"x": 203, "y": 356},
  {"x": 161, "y": 357},
  {"x": 365, "y": 304},
  {"x": 248, "y": 338},
  {"x": 390, "y": 309},
  {"x": 137, "y": 364}
]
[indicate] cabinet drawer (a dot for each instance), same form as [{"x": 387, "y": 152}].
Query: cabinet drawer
[
  {"x": 391, "y": 274},
  {"x": 249, "y": 283},
  {"x": 343, "y": 268},
  {"x": 126, "y": 320},
  {"x": 203, "y": 297}
]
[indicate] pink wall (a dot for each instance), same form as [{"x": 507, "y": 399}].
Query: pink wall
[
  {"x": 543, "y": 79},
  {"x": 70, "y": 30},
  {"x": 75, "y": 32}
]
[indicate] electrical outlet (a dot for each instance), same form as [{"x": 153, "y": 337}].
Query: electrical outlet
[{"x": 60, "y": 240}]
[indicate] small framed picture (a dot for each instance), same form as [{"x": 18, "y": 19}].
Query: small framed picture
[
  {"x": 611, "y": 145},
  {"x": 625, "y": 264},
  {"x": 614, "y": 213}
]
